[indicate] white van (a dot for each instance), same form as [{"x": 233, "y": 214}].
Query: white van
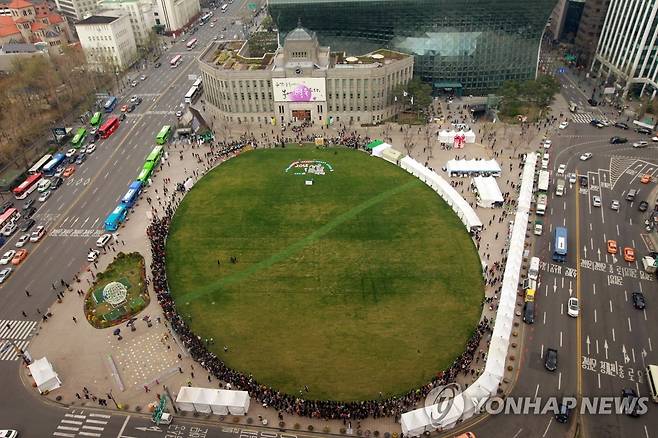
[{"x": 533, "y": 271}]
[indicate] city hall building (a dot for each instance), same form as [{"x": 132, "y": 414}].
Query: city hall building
[
  {"x": 301, "y": 81},
  {"x": 463, "y": 46}
]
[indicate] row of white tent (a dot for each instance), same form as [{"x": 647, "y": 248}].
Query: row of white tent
[
  {"x": 443, "y": 188},
  {"x": 447, "y": 414},
  {"x": 488, "y": 192},
  {"x": 447, "y": 137},
  {"x": 216, "y": 401},
  {"x": 470, "y": 167}
]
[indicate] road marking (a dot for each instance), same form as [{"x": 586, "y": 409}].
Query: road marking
[
  {"x": 594, "y": 316},
  {"x": 544, "y": 318},
  {"x": 610, "y": 301},
  {"x": 75, "y": 429},
  {"x": 646, "y": 432},
  {"x": 536, "y": 390},
  {"x": 597, "y": 346},
  {"x": 96, "y": 422},
  {"x": 559, "y": 381},
  {"x": 547, "y": 426},
  {"x": 100, "y": 416},
  {"x": 67, "y": 435},
  {"x": 541, "y": 353},
  {"x": 94, "y": 427},
  {"x": 629, "y": 325},
  {"x": 560, "y": 338},
  {"x": 613, "y": 335},
  {"x": 598, "y": 376},
  {"x": 626, "y": 295},
  {"x": 521, "y": 430},
  {"x": 649, "y": 339},
  {"x": 125, "y": 423},
  {"x": 561, "y": 309}
]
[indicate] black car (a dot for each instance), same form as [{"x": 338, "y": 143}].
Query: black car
[
  {"x": 583, "y": 181},
  {"x": 6, "y": 206},
  {"x": 56, "y": 182},
  {"x": 30, "y": 211},
  {"x": 631, "y": 406},
  {"x": 81, "y": 159},
  {"x": 157, "y": 65},
  {"x": 27, "y": 224},
  {"x": 563, "y": 414},
  {"x": 550, "y": 361},
  {"x": 618, "y": 140},
  {"x": 592, "y": 102},
  {"x": 529, "y": 312},
  {"x": 621, "y": 125},
  {"x": 643, "y": 130},
  {"x": 122, "y": 117},
  {"x": 139, "y": 100},
  {"x": 643, "y": 206},
  {"x": 28, "y": 204},
  {"x": 131, "y": 108},
  {"x": 70, "y": 160},
  {"x": 638, "y": 301}
]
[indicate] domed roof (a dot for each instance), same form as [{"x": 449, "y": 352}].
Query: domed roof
[{"x": 300, "y": 34}]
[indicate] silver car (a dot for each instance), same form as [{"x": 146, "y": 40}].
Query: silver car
[{"x": 4, "y": 274}]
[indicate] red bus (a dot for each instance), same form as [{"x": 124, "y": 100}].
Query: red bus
[
  {"x": 27, "y": 186},
  {"x": 109, "y": 127},
  {"x": 8, "y": 216},
  {"x": 191, "y": 43},
  {"x": 175, "y": 61}
]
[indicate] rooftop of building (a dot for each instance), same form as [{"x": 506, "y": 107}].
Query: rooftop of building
[
  {"x": 235, "y": 56},
  {"x": 18, "y": 48},
  {"x": 97, "y": 19}
]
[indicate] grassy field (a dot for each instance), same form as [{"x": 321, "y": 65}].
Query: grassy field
[{"x": 363, "y": 282}]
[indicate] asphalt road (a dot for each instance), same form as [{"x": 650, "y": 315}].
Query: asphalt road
[{"x": 74, "y": 216}]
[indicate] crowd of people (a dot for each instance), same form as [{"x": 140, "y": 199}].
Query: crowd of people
[{"x": 269, "y": 397}]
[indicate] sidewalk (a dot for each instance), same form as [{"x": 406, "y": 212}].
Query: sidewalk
[{"x": 136, "y": 369}]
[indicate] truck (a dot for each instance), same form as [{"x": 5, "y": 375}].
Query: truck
[
  {"x": 559, "y": 187},
  {"x": 542, "y": 200},
  {"x": 543, "y": 181},
  {"x": 533, "y": 270},
  {"x": 539, "y": 227},
  {"x": 649, "y": 264}
]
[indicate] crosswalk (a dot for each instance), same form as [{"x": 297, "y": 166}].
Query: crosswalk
[
  {"x": 80, "y": 424},
  {"x": 14, "y": 336},
  {"x": 586, "y": 118}
]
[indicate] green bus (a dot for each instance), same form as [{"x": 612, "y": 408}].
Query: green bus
[
  {"x": 79, "y": 137},
  {"x": 96, "y": 119},
  {"x": 146, "y": 172},
  {"x": 163, "y": 135},
  {"x": 155, "y": 155}
]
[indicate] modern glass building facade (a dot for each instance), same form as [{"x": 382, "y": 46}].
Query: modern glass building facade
[{"x": 469, "y": 45}]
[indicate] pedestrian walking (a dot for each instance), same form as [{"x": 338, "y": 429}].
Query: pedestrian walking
[
  {"x": 27, "y": 292},
  {"x": 75, "y": 320}
]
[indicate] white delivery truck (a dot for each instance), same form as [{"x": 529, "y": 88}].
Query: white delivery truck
[
  {"x": 649, "y": 264},
  {"x": 543, "y": 181},
  {"x": 542, "y": 199},
  {"x": 533, "y": 270}
]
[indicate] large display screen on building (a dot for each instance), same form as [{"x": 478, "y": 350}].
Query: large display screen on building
[{"x": 299, "y": 89}]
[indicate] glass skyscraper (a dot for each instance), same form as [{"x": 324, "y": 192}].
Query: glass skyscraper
[{"x": 469, "y": 45}]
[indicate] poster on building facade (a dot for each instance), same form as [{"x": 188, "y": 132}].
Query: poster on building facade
[{"x": 299, "y": 89}]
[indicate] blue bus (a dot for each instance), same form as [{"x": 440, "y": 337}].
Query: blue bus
[
  {"x": 51, "y": 166},
  {"x": 110, "y": 104},
  {"x": 115, "y": 218},
  {"x": 560, "y": 244},
  {"x": 132, "y": 194}
]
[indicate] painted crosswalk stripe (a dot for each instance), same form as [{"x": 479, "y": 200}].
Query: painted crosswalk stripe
[
  {"x": 9, "y": 352},
  {"x": 81, "y": 417},
  {"x": 100, "y": 416},
  {"x": 96, "y": 422},
  {"x": 89, "y": 434},
  {"x": 66, "y": 435},
  {"x": 71, "y": 422},
  {"x": 16, "y": 329},
  {"x": 75, "y": 429},
  {"x": 93, "y": 427}
]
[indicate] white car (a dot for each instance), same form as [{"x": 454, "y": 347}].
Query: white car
[
  {"x": 82, "y": 150},
  {"x": 70, "y": 152},
  {"x": 44, "y": 196},
  {"x": 91, "y": 148},
  {"x": 22, "y": 240},
  {"x": 134, "y": 99},
  {"x": 596, "y": 201},
  {"x": 9, "y": 229},
  {"x": 102, "y": 241},
  {"x": 6, "y": 257},
  {"x": 133, "y": 84},
  {"x": 573, "y": 307},
  {"x": 179, "y": 114},
  {"x": 614, "y": 205},
  {"x": 640, "y": 144},
  {"x": 212, "y": 24},
  {"x": 586, "y": 156},
  {"x": 654, "y": 138},
  {"x": 142, "y": 77},
  {"x": 572, "y": 178},
  {"x": 561, "y": 169},
  {"x": 564, "y": 125},
  {"x": 4, "y": 274},
  {"x": 59, "y": 172},
  {"x": 547, "y": 144},
  {"x": 93, "y": 255},
  {"x": 38, "y": 233},
  {"x": 43, "y": 185}
]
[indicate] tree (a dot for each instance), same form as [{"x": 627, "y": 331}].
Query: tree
[
  {"x": 267, "y": 23},
  {"x": 421, "y": 93}
]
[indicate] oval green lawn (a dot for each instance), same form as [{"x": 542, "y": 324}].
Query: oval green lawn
[{"x": 363, "y": 282}]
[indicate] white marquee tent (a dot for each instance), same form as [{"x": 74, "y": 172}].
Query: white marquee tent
[
  {"x": 448, "y": 137},
  {"x": 378, "y": 151},
  {"x": 217, "y": 401},
  {"x": 488, "y": 192},
  {"x": 468, "y": 167},
  {"x": 44, "y": 375}
]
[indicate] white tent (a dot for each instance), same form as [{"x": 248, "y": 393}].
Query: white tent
[
  {"x": 444, "y": 137},
  {"x": 217, "y": 401},
  {"x": 467, "y": 167},
  {"x": 44, "y": 375},
  {"x": 488, "y": 192},
  {"x": 377, "y": 151},
  {"x": 470, "y": 136},
  {"x": 392, "y": 155}
]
